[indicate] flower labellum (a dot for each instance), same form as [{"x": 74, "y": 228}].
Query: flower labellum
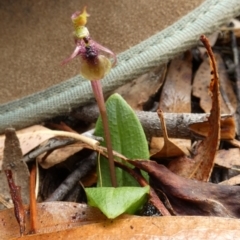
[{"x": 94, "y": 66}]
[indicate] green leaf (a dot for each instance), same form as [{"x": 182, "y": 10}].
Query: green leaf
[
  {"x": 115, "y": 201},
  {"x": 127, "y": 137}
]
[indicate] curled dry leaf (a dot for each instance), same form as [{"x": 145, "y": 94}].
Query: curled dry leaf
[
  {"x": 169, "y": 149},
  {"x": 191, "y": 197},
  {"x": 206, "y": 150},
  {"x": 200, "y": 167},
  {"x": 157, "y": 145}
]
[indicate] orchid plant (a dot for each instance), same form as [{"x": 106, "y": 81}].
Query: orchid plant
[{"x": 95, "y": 62}]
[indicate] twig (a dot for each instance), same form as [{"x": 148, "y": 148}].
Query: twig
[
  {"x": 33, "y": 202},
  {"x": 84, "y": 166},
  {"x": 51, "y": 144},
  {"x": 177, "y": 123}
]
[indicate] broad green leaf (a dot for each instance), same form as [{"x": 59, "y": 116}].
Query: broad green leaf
[
  {"x": 115, "y": 201},
  {"x": 127, "y": 137}
]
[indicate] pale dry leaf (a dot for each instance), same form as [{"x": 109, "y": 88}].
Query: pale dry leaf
[
  {"x": 52, "y": 216},
  {"x": 157, "y": 144},
  {"x": 200, "y": 167},
  {"x": 212, "y": 40},
  {"x": 169, "y": 148},
  {"x": 31, "y": 137},
  {"x": 234, "y": 142},
  {"x": 229, "y": 159},
  {"x": 231, "y": 181},
  {"x": 176, "y": 97},
  {"x": 138, "y": 92},
  {"x": 228, "y": 98},
  {"x": 176, "y": 92},
  {"x": 236, "y": 27},
  {"x": 27, "y": 139},
  {"x": 228, "y": 130},
  {"x": 58, "y": 155},
  {"x": 142, "y": 228}
]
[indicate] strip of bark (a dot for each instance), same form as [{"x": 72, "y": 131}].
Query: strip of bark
[{"x": 19, "y": 210}]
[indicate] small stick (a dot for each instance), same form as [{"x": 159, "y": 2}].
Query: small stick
[
  {"x": 33, "y": 202},
  {"x": 178, "y": 124},
  {"x": 70, "y": 182}
]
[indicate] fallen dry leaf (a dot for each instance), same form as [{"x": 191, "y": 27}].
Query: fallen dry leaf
[
  {"x": 182, "y": 166},
  {"x": 169, "y": 148},
  {"x": 176, "y": 92},
  {"x": 231, "y": 181},
  {"x": 206, "y": 150},
  {"x": 229, "y": 159},
  {"x": 52, "y": 216},
  {"x": 59, "y": 155},
  {"x": 28, "y": 140},
  {"x": 175, "y": 98},
  {"x": 31, "y": 137},
  {"x": 142, "y": 228},
  {"x": 157, "y": 144},
  {"x": 138, "y": 92},
  {"x": 228, "y": 130},
  {"x": 192, "y": 197},
  {"x": 235, "y": 27},
  {"x": 200, "y": 167},
  {"x": 228, "y": 98},
  {"x": 12, "y": 160},
  {"x": 234, "y": 142}
]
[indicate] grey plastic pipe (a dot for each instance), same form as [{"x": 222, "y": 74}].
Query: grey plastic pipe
[{"x": 158, "y": 49}]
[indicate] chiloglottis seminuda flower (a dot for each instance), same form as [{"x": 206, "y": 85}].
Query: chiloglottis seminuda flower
[{"x": 95, "y": 60}]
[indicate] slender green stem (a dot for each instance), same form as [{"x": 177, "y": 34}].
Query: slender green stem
[{"x": 97, "y": 89}]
